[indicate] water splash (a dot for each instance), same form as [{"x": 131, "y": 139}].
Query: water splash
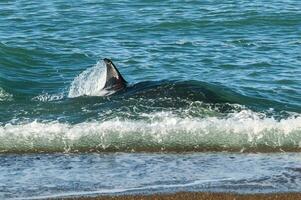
[
  {"x": 90, "y": 82},
  {"x": 4, "y": 96}
]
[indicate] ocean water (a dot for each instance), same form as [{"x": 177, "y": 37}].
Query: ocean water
[{"x": 213, "y": 101}]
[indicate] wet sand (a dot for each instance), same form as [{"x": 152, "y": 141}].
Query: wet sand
[{"x": 196, "y": 195}]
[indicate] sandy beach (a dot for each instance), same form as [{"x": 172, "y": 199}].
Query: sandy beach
[{"x": 196, "y": 195}]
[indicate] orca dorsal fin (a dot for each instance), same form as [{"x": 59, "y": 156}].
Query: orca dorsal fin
[{"x": 114, "y": 80}]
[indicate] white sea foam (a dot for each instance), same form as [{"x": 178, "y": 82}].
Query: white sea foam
[
  {"x": 239, "y": 131},
  {"x": 49, "y": 97},
  {"x": 4, "y": 96},
  {"x": 90, "y": 82}
]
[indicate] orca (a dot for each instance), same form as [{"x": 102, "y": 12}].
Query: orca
[{"x": 114, "y": 80}]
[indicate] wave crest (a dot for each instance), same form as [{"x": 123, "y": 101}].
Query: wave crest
[{"x": 242, "y": 131}]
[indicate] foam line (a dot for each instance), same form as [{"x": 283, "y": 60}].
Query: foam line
[{"x": 239, "y": 131}]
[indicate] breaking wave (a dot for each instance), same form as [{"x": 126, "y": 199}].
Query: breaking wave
[
  {"x": 148, "y": 116},
  {"x": 162, "y": 131}
]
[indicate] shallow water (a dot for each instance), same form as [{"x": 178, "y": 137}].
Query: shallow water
[
  {"x": 203, "y": 76},
  {"x": 56, "y": 175}
]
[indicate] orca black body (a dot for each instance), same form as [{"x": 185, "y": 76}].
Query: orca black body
[{"x": 114, "y": 80}]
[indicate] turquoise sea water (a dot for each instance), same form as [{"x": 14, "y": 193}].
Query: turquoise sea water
[{"x": 203, "y": 76}]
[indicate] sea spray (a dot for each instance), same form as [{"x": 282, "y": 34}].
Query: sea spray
[
  {"x": 4, "y": 96},
  {"x": 90, "y": 82}
]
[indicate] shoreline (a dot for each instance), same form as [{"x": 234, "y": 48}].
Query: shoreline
[{"x": 193, "y": 195}]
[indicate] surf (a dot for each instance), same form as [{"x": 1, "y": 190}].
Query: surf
[
  {"x": 243, "y": 131},
  {"x": 165, "y": 115}
]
